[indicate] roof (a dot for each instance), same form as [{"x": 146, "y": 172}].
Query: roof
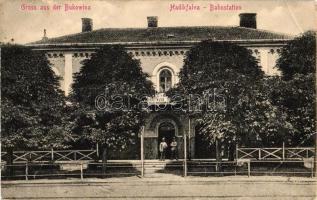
[{"x": 165, "y": 34}]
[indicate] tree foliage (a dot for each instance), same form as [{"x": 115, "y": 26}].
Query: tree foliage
[
  {"x": 296, "y": 93},
  {"x": 298, "y": 56},
  {"x": 32, "y": 103},
  {"x": 229, "y": 73},
  {"x": 218, "y": 65},
  {"x": 113, "y": 75}
]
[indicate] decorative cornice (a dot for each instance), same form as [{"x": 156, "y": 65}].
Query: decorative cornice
[{"x": 160, "y": 44}]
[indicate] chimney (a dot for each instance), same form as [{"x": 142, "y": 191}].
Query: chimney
[
  {"x": 86, "y": 24},
  {"x": 152, "y": 21},
  {"x": 248, "y": 20}
]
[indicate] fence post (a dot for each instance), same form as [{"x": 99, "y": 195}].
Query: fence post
[
  {"x": 307, "y": 156},
  {"x": 237, "y": 152},
  {"x": 26, "y": 170},
  {"x": 81, "y": 172},
  {"x": 259, "y": 153},
  {"x": 52, "y": 154},
  {"x": 249, "y": 168},
  {"x": 97, "y": 150},
  {"x": 185, "y": 155},
  {"x": 217, "y": 156},
  {"x": 312, "y": 168},
  {"x": 235, "y": 170},
  {"x": 283, "y": 151}
]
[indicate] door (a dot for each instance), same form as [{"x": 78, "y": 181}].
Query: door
[{"x": 166, "y": 130}]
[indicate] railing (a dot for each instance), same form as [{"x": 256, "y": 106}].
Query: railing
[
  {"x": 83, "y": 170},
  {"x": 247, "y": 167},
  {"x": 53, "y": 155},
  {"x": 299, "y": 153},
  {"x": 80, "y": 170}
]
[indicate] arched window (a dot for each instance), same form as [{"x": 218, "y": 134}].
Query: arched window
[
  {"x": 165, "y": 80},
  {"x": 164, "y": 77}
]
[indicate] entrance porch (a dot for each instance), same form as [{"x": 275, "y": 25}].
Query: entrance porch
[{"x": 167, "y": 125}]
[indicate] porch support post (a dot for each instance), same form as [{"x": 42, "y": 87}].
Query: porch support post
[
  {"x": 142, "y": 151},
  {"x": 189, "y": 141},
  {"x": 185, "y": 155}
]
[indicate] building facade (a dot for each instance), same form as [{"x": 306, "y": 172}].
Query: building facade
[{"x": 161, "y": 51}]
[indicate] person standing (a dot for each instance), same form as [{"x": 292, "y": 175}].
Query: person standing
[
  {"x": 174, "y": 152},
  {"x": 163, "y": 147}
]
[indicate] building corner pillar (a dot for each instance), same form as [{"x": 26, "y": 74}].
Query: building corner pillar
[
  {"x": 68, "y": 78},
  {"x": 264, "y": 60}
]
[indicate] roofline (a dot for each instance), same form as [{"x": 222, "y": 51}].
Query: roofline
[
  {"x": 164, "y": 27},
  {"x": 160, "y": 43}
]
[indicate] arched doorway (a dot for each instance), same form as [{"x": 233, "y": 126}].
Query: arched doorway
[{"x": 166, "y": 130}]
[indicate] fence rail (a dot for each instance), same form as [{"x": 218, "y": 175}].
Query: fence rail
[
  {"x": 80, "y": 170},
  {"x": 83, "y": 170},
  {"x": 53, "y": 155},
  {"x": 299, "y": 153}
]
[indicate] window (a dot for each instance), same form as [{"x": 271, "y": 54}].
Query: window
[{"x": 165, "y": 80}]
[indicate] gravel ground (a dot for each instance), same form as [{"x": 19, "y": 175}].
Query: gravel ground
[{"x": 164, "y": 187}]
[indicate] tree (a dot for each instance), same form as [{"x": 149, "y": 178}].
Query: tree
[
  {"x": 109, "y": 90},
  {"x": 296, "y": 94},
  {"x": 265, "y": 123},
  {"x": 32, "y": 103},
  {"x": 221, "y": 73},
  {"x": 233, "y": 102},
  {"x": 298, "y": 56}
]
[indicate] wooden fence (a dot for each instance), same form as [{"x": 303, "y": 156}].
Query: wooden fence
[
  {"x": 53, "y": 155},
  {"x": 299, "y": 153}
]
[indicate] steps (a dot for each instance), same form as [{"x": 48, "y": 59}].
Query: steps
[
  {"x": 154, "y": 167},
  {"x": 157, "y": 168},
  {"x": 151, "y": 167}
]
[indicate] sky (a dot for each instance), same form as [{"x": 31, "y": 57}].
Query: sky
[{"x": 284, "y": 16}]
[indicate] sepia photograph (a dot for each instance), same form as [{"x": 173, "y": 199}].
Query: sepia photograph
[{"x": 149, "y": 99}]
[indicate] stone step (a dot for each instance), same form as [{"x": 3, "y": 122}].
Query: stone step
[{"x": 152, "y": 167}]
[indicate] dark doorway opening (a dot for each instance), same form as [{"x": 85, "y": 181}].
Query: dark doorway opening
[
  {"x": 166, "y": 130},
  {"x": 203, "y": 149}
]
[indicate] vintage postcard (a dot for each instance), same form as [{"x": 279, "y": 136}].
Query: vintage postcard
[{"x": 149, "y": 99}]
